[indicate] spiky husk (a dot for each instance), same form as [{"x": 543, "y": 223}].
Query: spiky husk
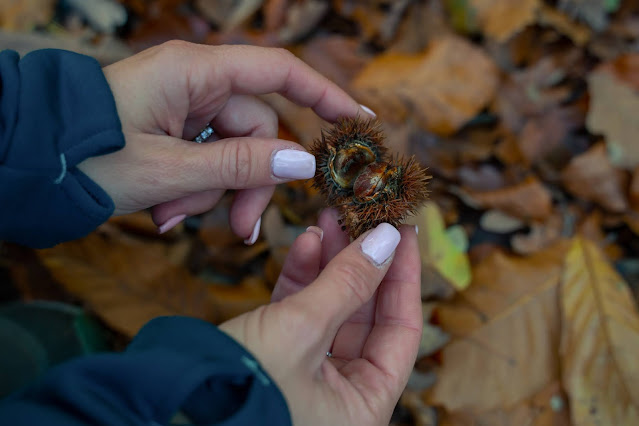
[
  {"x": 344, "y": 131},
  {"x": 402, "y": 199}
]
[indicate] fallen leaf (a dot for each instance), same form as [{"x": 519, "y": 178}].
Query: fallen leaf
[
  {"x": 540, "y": 236},
  {"x": 548, "y": 407},
  {"x": 436, "y": 87},
  {"x": 438, "y": 251},
  {"x": 592, "y": 177},
  {"x": 528, "y": 200},
  {"x": 505, "y": 330},
  {"x": 228, "y": 14},
  {"x": 542, "y": 135},
  {"x": 301, "y": 19},
  {"x": 613, "y": 106},
  {"x": 24, "y": 15},
  {"x": 592, "y": 12},
  {"x": 336, "y": 57},
  {"x": 599, "y": 340},
  {"x": 126, "y": 284},
  {"x": 498, "y": 19},
  {"x": 499, "y": 222},
  {"x": 579, "y": 33}
]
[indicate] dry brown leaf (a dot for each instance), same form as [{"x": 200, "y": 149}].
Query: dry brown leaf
[
  {"x": 547, "y": 408},
  {"x": 505, "y": 330},
  {"x": 528, "y": 200},
  {"x": 438, "y": 87},
  {"x": 542, "y": 135},
  {"x": 578, "y": 33},
  {"x": 336, "y": 57},
  {"x": 501, "y": 19},
  {"x": 592, "y": 177},
  {"x": 613, "y": 113},
  {"x": 127, "y": 284},
  {"x": 599, "y": 340},
  {"x": 540, "y": 236},
  {"x": 228, "y": 14},
  {"x": 23, "y": 15}
]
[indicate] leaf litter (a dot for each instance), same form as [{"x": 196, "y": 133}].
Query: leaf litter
[{"x": 524, "y": 112}]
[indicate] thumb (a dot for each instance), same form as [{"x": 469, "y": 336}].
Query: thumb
[
  {"x": 350, "y": 279},
  {"x": 239, "y": 163}
]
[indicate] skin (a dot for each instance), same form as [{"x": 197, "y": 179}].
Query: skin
[{"x": 330, "y": 295}]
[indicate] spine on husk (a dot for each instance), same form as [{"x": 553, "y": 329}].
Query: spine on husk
[{"x": 357, "y": 176}]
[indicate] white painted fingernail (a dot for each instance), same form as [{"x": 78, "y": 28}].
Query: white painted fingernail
[
  {"x": 171, "y": 223},
  {"x": 316, "y": 230},
  {"x": 293, "y": 164},
  {"x": 380, "y": 244},
  {"x": 256, "y": 232},
  {"x": 367, "y": 110},
  {"x": 416, "y": 230}
]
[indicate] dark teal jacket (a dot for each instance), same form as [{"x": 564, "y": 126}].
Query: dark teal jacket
[{"x": 56, "y": 109}]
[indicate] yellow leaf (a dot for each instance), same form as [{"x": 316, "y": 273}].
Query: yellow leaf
[
  {"x": 600, "y": 340},
  {"x": 438, "y": 250}
]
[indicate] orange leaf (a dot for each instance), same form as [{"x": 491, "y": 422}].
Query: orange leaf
[
  {"x": 442, "y": 88},
  {"x": 527, "y": 200},
  {"x": 126, "y": 282},
  {"x": 592, "y": 177}
]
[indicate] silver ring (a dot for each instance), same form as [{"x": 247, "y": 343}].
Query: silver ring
[
  {"x": 204, "y": 134},
  {"x": 329, "y": 354}
]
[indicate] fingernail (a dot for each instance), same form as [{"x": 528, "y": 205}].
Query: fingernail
[
  {"x": 316, "y": 230},
  {"x": 256, "y": 232},
  {"x": 367, "y": 110},
  {"x": 171, "y": 223},
  {"x": 293, "y": 164},
  {"x": 416, "y": 230},
  {"x": 380, "y": 244}
]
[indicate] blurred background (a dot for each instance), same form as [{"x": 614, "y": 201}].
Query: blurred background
[{"x": 523, "y": 111}]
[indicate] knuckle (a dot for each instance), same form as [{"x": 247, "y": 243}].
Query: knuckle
[
  {"x": 285, "y": 53},
  {"x": 236, "y": 167},
  {"x": 356, "y": 281}
]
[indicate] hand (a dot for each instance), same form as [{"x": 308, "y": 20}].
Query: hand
[
  {"x": 167, "y": 94},
  {"x": 373, "y": 330}
]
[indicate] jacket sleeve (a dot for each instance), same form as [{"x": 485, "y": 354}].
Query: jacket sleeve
[
  {"x": 175, "y": 364},
  {"x": 56, "y": 109}
]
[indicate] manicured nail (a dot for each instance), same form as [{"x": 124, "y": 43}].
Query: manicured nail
[
  {"x": 316, "y": 230},
  {"x": 416, "y": 230},
  {"x": 380, "y": 244},
  {"x": 256, "y": 232},
  {"x": 367, "y": 110},
  {"x": 171, "y": 223},
  {"x": 293, "y": 164}
]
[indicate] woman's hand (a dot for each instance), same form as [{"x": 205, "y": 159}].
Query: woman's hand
[
  {"x": 348, "y": 300},
  {"x": 167, "y": 94}
]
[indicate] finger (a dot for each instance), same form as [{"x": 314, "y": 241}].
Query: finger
[
  {"x": 334, "y": 238},
  {"x": 232, "y": 163},
  {"x": 189, "y": 205},
  {"x": 247, "y": 208},
  {"x": 394, "y": 340},
  {"x": 256, "y": 71},
  {"x": 301, "y": 265},
  {"x": 350, "y": 279},
  {"x": 241, "y": 115}
]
